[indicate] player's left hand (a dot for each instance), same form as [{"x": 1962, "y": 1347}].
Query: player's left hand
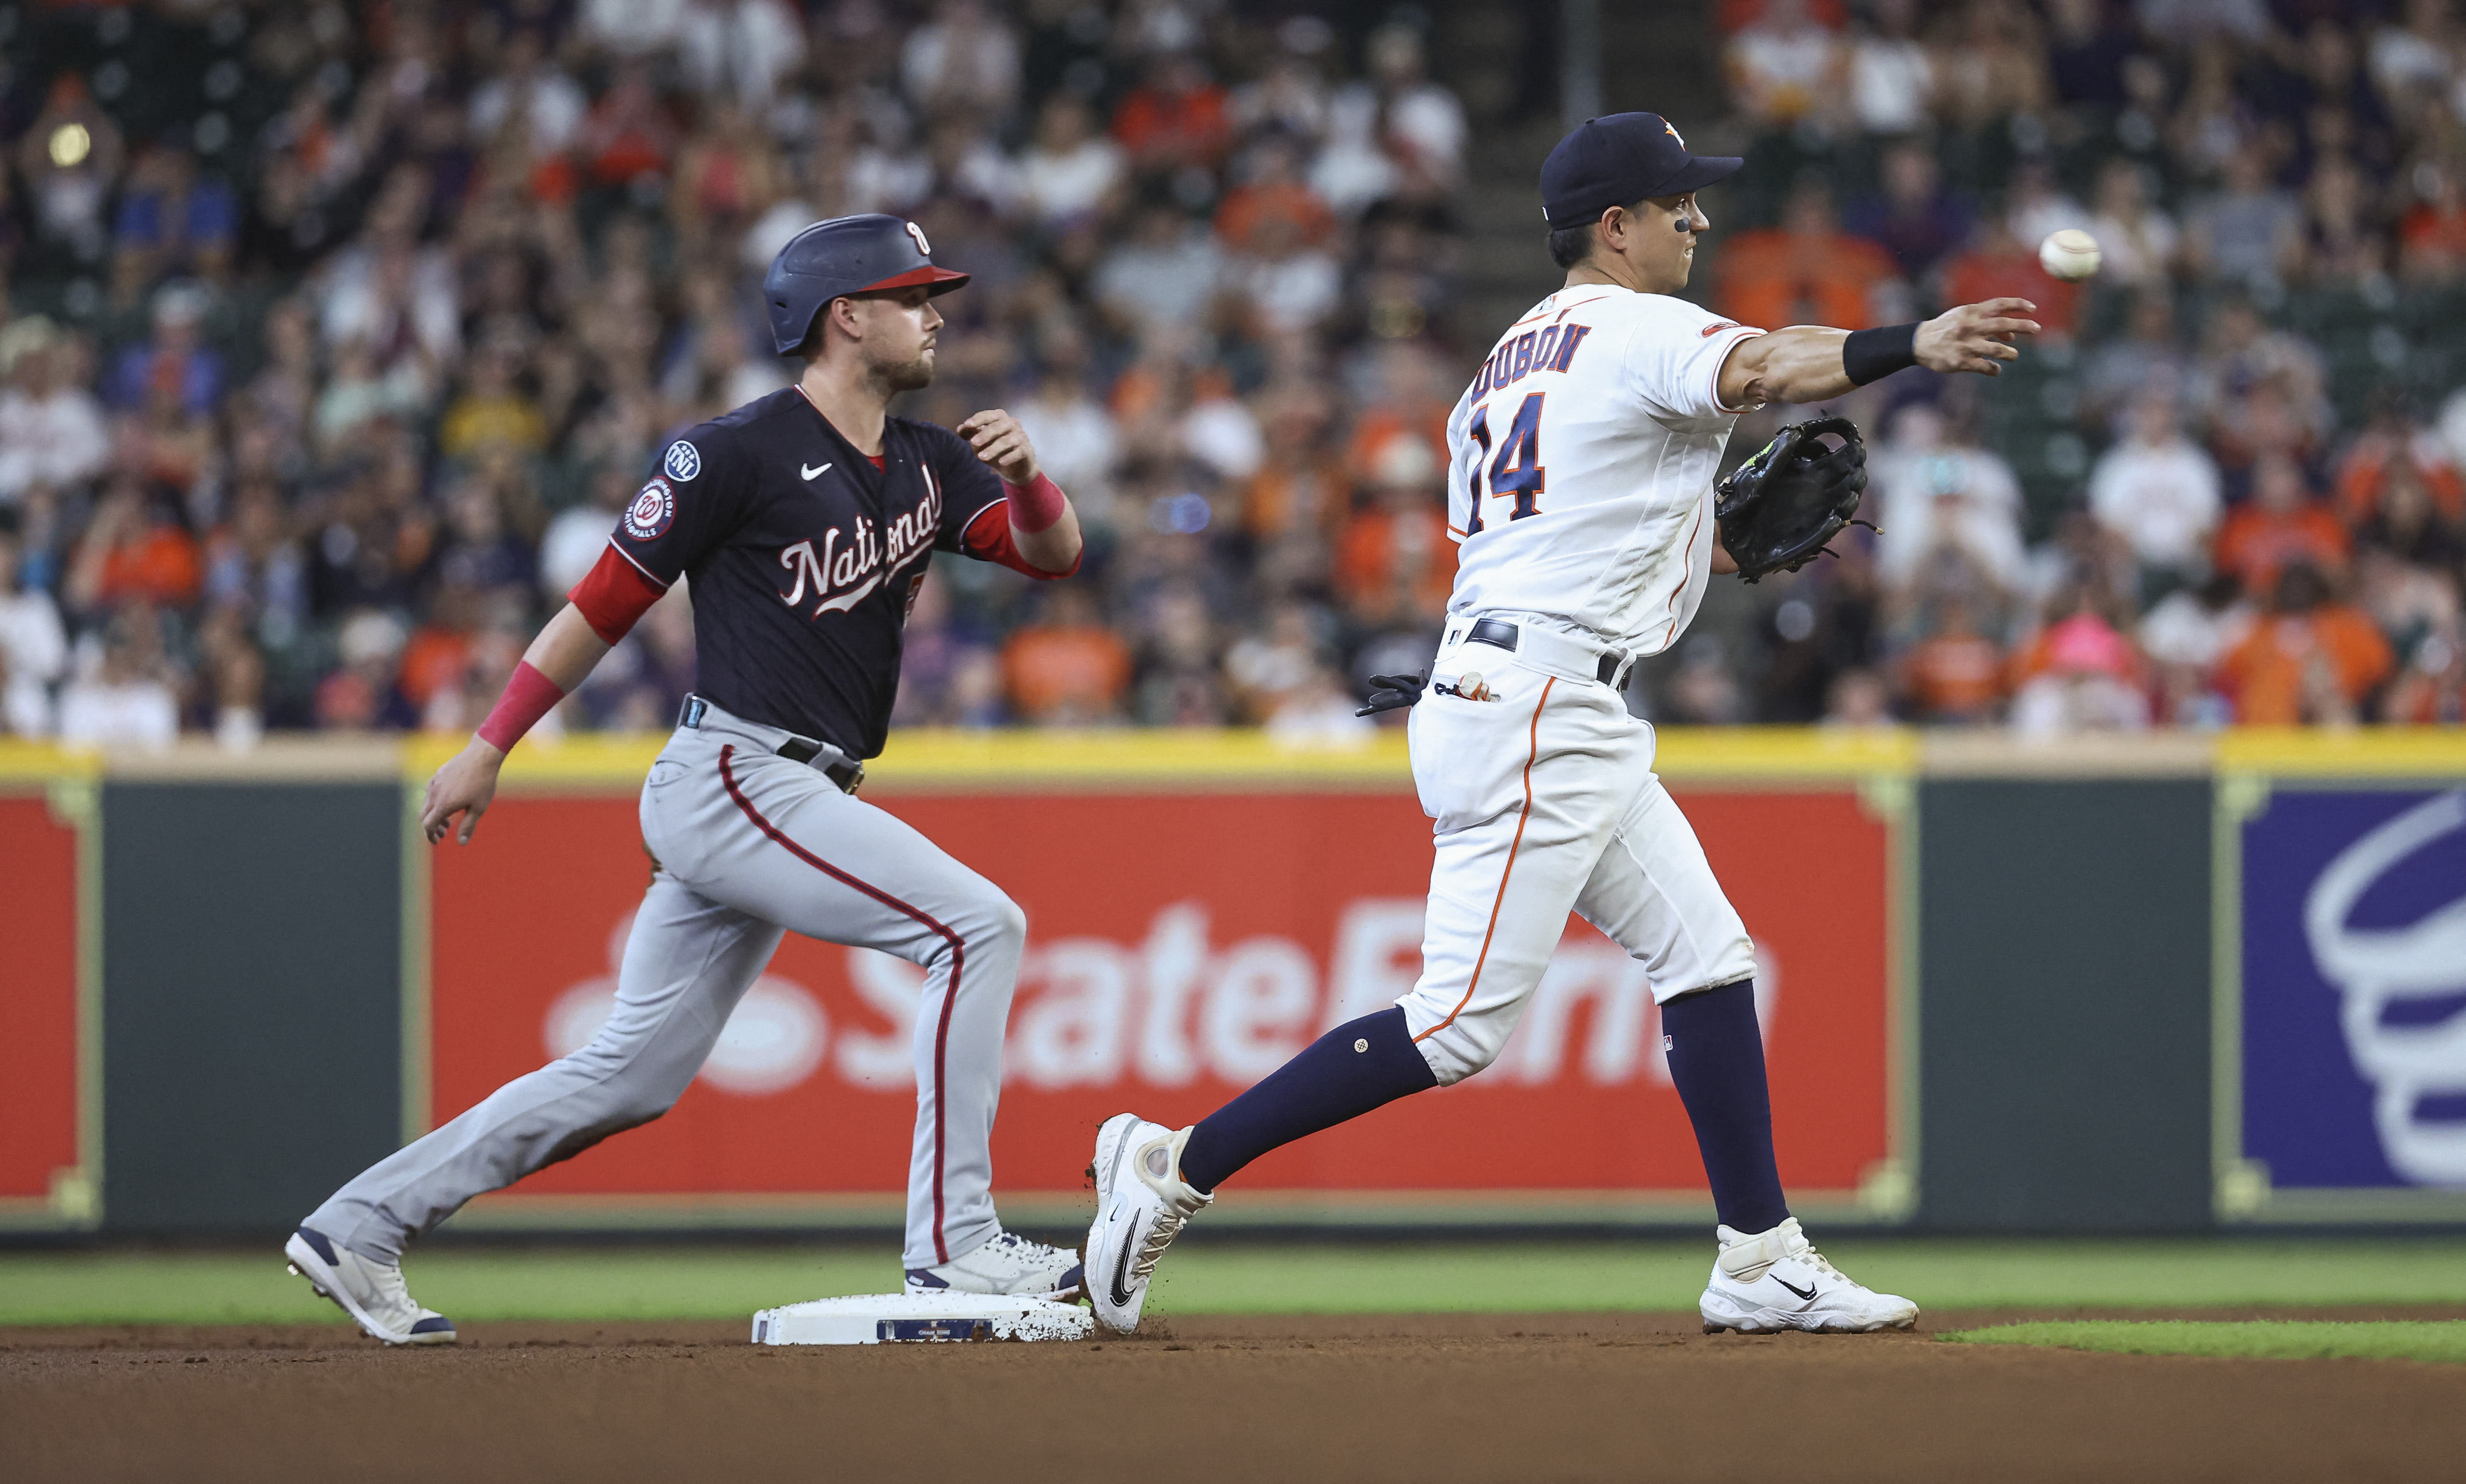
[
  {"x": 1975, "y": 337},
  {"x": 1001, "y": 443}
]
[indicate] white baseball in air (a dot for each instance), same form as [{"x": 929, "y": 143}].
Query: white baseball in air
[{"x": 2071, "y": 255}]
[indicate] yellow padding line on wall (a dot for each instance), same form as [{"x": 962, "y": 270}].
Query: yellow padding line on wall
[{"x": 929, "y": 759}]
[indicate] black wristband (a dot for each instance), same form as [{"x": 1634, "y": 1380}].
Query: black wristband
[{"x": 1872, "y": 354}]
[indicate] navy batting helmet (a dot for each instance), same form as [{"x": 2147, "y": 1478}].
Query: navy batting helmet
[{"x": 846, "y": 255}]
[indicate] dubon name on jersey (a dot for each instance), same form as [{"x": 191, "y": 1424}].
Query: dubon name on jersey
[{"x": 1580, "y": 464}]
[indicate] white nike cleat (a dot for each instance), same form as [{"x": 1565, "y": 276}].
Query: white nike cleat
[
  {"x": 1141, "y": 1204},
  {"x": 1005, "y": 1264},
  {"x": 370, "y": 1292},
  {"x": 1777, "y": 1280}
]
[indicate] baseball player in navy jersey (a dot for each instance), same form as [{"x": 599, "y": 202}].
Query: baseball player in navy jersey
[
  {"x": 1581, "y": 488},
  {"x": 804, "y": 522}
]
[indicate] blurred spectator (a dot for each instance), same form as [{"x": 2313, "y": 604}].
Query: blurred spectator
[
  {"x": 1946, "y": 498},
  {"x": 2077, "y": 675},
  {"x": 1858, "y": 699},
  {"x": 2146, "y": 363},
  {"x": 363, "y": 696},
  {"x": 175, "y": 361},
  {"x": 51, "y": 432},
  {"x": 1784, "y": 66},
  {"x": 1165, "y": 274},
  {"x": 1891, "y": 77},
  {"x": 1995, "y": 66},
  {"x": 2137, "y": 241},
  {"x": 171, "y": 221},
  {"x": 2086, "y": 50},
  {"x": 1914, "y": 218},
  {"x": 965, "y": 57},
  {"x": 1175, "y": 118},
  {"x": 530, "y": 93},
  {"x": 1954, "y": 674},
  {"x": 2309, "y": 659},
  {"x": 1419, "y": 125},
  {"x": 122, "y": 694},
  {"x": 2281, "y": 525},
  {"x": 1070, "y": 172},
  {"x": 70, "y": 157},
  {"x": 2159, "y": 492},
  {"x": 1807, "y": 270},
  {"x": 134, "y": 549},
  {"x": 1393, "y": 563},
  {"x": 2036, "y": 205},
  {"x": 2249, "y": 231},
  {"x": 2186, "y": 635},
  {"x": 1068, "y": 670},
  {"x": 33, "y": 649}
]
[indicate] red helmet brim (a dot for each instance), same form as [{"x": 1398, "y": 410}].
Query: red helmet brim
[{"x": 941, "y": 281}]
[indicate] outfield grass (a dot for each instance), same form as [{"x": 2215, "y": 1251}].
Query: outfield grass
[
  {"x": 664, "y": 1282},
  {"x": 2257, "y": 1339}
]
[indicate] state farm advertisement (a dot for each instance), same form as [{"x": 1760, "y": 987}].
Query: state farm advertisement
[
  {"x": 38, "y": 1000},
  {"x": 1181, "y": 947}
]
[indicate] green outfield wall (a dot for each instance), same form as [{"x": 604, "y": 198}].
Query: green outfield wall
[{"x": 2102, "y": 1013}]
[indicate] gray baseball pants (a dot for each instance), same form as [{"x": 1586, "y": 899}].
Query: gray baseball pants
[{"x": 750, "y": 845}]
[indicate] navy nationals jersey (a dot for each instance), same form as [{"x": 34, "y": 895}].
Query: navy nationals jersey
[{"x": 804, "y": 558}]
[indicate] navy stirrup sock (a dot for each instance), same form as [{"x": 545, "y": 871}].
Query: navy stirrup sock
[
  {"x": 1717, "y": 1058},
  {"x": 1343, "y": 1074}
]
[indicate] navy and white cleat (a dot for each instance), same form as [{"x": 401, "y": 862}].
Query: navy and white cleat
[
  {"x": 1005, "y": 1264},
  {"x": 370, "y": 1292},
  {"x": 1142, "y": 1202}
]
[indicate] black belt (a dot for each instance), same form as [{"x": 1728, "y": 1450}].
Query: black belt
[
  {"x": 846, "y": 773},
  {"x": 1503, "y": 634}
]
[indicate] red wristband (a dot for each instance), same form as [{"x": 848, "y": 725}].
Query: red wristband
[
  {"x": 529, "y": 696},
  {"x": 1036, "y": 504}
]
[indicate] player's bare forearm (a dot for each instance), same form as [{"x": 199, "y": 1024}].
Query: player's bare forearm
[
  {"x": 565, "y": 652},
  {"x": 1055, "y": 547},
  {"x": 1002, "y": 445},
  {"x": 1803, "y": 363}
]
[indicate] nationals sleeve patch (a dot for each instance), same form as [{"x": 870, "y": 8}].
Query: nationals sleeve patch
[
  {"x": 684, "y": 460},
  {"x": 649, "y": 516}
]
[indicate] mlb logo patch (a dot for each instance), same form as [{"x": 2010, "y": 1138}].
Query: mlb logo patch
[
  {"x": 684, "y": 460},
  {"x": 649, "y": 516}
]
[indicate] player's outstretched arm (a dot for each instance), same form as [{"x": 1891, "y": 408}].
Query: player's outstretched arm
[
  {"x": 556, "y": 661},
  {"x": 1043, "y": 528},
  {"x": 1812, "y": 363}
]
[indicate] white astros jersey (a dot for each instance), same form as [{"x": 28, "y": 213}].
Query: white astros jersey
[{"x": 1580, "y": 464}]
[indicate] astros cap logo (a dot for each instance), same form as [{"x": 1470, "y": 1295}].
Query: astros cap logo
[{"x": 1673, "y": 133}]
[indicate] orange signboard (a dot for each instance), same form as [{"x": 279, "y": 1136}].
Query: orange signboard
[{"x": 1182, "y": 946}]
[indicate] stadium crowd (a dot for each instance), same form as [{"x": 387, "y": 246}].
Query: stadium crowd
[
  {"x": 2225, "y": 486},
  {"x": 334, "y": 345},
  {"x": 324, "y": 384}
]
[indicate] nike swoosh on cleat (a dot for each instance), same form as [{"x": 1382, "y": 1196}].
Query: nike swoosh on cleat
[
  {"x": 1807, "y": 1292},
  {"x": 1121, "y": 1273},
  {"x": 811, "y": 472}
]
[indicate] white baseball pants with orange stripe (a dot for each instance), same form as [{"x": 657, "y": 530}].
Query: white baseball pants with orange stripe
[
  {"x": 1542, "y": 790},
  {"x": 750, "y": 845}
]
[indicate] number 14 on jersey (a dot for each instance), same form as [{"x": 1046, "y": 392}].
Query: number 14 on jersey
[{"x": 1513, "y": 470}]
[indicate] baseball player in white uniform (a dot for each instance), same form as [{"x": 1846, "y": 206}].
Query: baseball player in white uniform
[
  {"x": 1581, "y": 488},
  {"x": 804, "y": 520}
]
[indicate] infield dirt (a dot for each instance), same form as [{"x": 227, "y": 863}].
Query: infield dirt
[{"x": 1422, "y": 1398}]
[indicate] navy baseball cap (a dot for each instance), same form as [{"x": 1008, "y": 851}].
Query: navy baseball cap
[{"x": 1617, "y": 161}]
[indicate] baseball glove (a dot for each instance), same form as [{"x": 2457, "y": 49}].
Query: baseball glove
[{"x": 1780, "y": 508}]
